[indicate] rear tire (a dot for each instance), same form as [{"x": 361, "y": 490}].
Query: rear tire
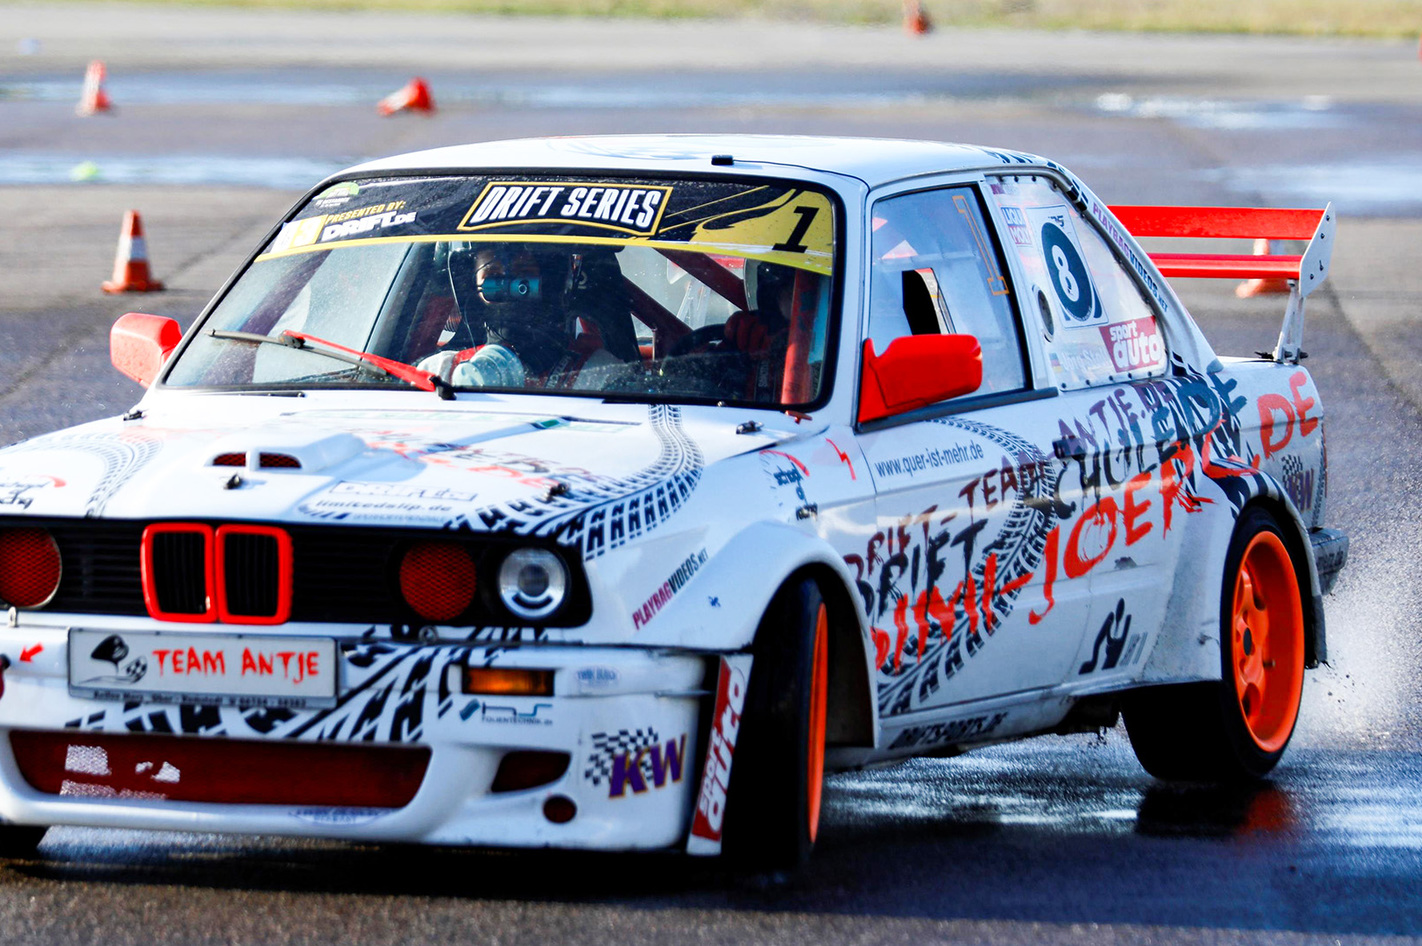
[
  {"x": 773, "y": 805},
  {"x": 19, "y": 842},
  {"x": 1235, "y": 729}
]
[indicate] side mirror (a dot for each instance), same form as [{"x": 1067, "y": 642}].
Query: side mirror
[
  {"x": 139, "y": 344},
  {"x": 918, "y": 370}
]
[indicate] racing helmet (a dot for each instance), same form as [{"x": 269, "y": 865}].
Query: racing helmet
[{"x": 765, "y": 282}]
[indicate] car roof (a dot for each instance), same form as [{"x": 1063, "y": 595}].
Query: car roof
[{"x": 872, "y": 160}]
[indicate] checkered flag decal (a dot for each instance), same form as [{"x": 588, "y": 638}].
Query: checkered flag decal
[{"x": 607, "y": 746}]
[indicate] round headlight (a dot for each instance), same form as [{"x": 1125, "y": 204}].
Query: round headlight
[{"x": 532, "y": 583}]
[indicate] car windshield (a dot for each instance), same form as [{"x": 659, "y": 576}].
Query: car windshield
[{"x": 646, "y": 289}]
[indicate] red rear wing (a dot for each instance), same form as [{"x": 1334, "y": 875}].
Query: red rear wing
[
  {"x": 1306, "y": 271},
  {"x": 1248, "y": 223}
]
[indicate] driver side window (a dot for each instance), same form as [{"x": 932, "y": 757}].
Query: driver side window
[{"x": 935, "y": 269}]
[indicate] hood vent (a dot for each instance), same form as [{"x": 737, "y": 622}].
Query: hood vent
[
  {"x": 265, "y": 461},
  {"x": 283, "y": 449}
]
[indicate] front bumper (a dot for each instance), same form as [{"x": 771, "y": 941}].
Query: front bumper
[{"x": 628, "y": 719}]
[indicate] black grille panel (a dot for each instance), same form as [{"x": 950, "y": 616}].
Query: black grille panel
[
  {"x": 100, "y": 567},
  {"x": 251, "y": 574},
  {"x": 343, "y": 575}
]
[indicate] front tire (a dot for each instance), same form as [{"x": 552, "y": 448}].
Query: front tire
[
  {"x": 1235, "y": 729},
  {"x": 773, "y": 805}
]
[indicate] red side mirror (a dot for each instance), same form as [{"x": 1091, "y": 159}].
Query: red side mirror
[
  {"x": 918, "y": 370},
  {"x": 139, "y": 344}
]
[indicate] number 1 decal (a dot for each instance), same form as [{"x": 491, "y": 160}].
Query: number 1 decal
[
  {"x": 802, "y": 226},
  {"x": 996, "y": 284}
]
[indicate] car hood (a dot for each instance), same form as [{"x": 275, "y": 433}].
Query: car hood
[{"x": 486, "y": 467}]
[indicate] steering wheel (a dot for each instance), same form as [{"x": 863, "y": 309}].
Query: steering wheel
[{"x": 701, "y": 338}]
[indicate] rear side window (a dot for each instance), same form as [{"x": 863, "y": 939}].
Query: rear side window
[
  {"x": 936, "y": 270},
  {"x": 1099, "y": 328}
]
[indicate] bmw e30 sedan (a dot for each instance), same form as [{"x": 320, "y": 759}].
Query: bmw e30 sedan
[{"x": 606, "y": 493}]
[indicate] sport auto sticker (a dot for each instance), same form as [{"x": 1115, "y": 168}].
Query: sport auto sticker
[
  {"x": 708, "y": 822},
  {"x": 1134, "y": 345},
  {"x": 930, "y": 615},
  {"x": 1055, "y": 233}
]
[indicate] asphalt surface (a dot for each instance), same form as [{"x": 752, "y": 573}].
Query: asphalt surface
[{"x": 1057, "y": 840}]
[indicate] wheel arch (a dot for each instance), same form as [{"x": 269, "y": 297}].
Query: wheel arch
[
  {"x": 1296, "y": 540},
  {"x": 852, "y": 718},
  {"x": 1191, "y": 652}
]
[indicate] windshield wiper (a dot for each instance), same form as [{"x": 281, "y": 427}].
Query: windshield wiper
[{"x": 388, "y": 367}]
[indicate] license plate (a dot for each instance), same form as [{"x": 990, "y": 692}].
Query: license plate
[{"x": 231, "y": 669}]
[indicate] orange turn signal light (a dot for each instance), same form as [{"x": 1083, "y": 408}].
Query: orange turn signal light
[{"x": 508, "y": 681}]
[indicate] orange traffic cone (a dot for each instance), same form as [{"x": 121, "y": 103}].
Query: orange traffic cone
[
  {"x": 93, "y": 99},
  {"x": 131, "y": 263},
  {"x": 413, "y": 97},
  {"x": 1272, "y": 286},
  {"x": 915, "y": 20}
]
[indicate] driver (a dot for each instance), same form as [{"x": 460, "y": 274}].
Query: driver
[
  {"x": 530, "y": 338},
  {"x": 770, "y": 290}
]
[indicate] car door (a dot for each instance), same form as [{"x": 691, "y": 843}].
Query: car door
[
  {"x": 1119, "y": 429},
  {"x": 961, "y": 578}
]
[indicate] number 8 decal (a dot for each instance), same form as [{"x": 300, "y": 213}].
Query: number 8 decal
[{"x": 1070, "y": 279}]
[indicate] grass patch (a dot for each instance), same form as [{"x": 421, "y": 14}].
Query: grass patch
[{"x": 1371, "y": 18}]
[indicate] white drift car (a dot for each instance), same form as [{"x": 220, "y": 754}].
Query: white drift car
[{"x": 605, "y": 493}]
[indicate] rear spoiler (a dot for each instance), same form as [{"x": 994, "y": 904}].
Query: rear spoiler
[{"x": 1305, "y": 273}]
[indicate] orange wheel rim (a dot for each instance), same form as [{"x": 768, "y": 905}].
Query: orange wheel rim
[
  {"x": 819, "y": 690},
  {"x": 1266, "y": 625}
]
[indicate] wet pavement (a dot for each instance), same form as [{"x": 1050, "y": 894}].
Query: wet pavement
[{"x": 1057, "y": 840}]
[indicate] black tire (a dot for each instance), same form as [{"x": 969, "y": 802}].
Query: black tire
[
  {"x": 1220, "y": 731},
  {"x": 19, "y": 842},
  {"x": 772, "y": 806}
]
